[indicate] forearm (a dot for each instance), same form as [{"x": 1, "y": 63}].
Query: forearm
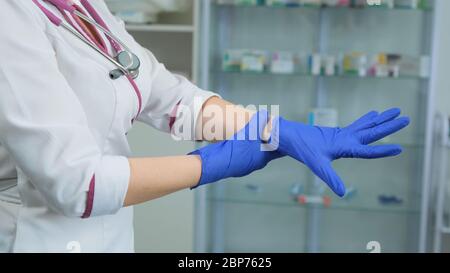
[
  {"x": 152, "y": 178},
  {"x": 221, "y": 119}
]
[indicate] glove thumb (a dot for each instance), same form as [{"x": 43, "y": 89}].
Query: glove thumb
[{"x": 326, "y": 172}]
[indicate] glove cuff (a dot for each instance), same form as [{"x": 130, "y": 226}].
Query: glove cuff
[
  {"x": 218, "y": 157},
  {"x": 203, "y": 175}
]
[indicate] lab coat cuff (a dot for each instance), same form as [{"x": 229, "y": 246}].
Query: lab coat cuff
[{"x": 111, "y": 185}]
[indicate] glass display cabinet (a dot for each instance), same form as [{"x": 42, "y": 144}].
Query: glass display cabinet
[{"x": 325, "y": 63}]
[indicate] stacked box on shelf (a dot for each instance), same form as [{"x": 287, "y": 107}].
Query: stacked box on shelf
[
  {"x": 353, "y": 64},
  {"x": 243, "y": 60}
]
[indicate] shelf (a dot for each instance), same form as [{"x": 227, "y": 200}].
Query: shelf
[
  {"x": 321, "y": 7},
  {"x": 341, "y": 207},
  {"x": 266, "y": 73},
  {"x": 161, "y": 28}
]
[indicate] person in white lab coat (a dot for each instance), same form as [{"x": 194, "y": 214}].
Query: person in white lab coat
[{"x": 66, "y": 174}]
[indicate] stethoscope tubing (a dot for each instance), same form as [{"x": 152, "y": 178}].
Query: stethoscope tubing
[
  {"x": 58, "y": 22},
  {"x": 90, "y": 44},
  {"x": 104, "y": 30},
  {"x": 62, "y": 4},
  {"x": 121, "y": 70}
]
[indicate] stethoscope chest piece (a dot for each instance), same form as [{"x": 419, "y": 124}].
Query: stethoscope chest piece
[{"x": 130, "y": 62}]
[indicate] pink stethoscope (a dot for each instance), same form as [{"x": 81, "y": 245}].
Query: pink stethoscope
[{"x": 127, "y": 63}]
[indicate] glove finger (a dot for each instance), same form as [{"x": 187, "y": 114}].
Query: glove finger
[
  {"x": 326, "y": 172},
  {"x": 387, "y": 115},
  {"x": 364, "y": 121},
  {"x": 381, "y": 131},
  {"x": 380, "y": 151}
]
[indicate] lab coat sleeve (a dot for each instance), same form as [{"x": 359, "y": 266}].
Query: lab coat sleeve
[
  {"x": 174, "y": 104},
  {"x": 43, "y": 125}
]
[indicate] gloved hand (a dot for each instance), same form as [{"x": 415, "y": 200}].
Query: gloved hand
[
  {"x": 317, "y": 147},
  {"x": 239, "y": 156}
]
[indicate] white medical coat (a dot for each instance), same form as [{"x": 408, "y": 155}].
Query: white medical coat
[{"x": 63, "y": 124}]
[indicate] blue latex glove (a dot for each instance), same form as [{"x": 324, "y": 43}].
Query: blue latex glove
[
  {"x": 317, "y": 147},
  {"x": 239, "y": 156}
]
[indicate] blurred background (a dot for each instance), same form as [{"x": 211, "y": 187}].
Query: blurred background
[{"x": 324, "y": 62}]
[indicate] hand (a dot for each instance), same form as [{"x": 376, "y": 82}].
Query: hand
[
  {"x": 317, "y": 147},
  {"x": 239, "y": 156}
]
